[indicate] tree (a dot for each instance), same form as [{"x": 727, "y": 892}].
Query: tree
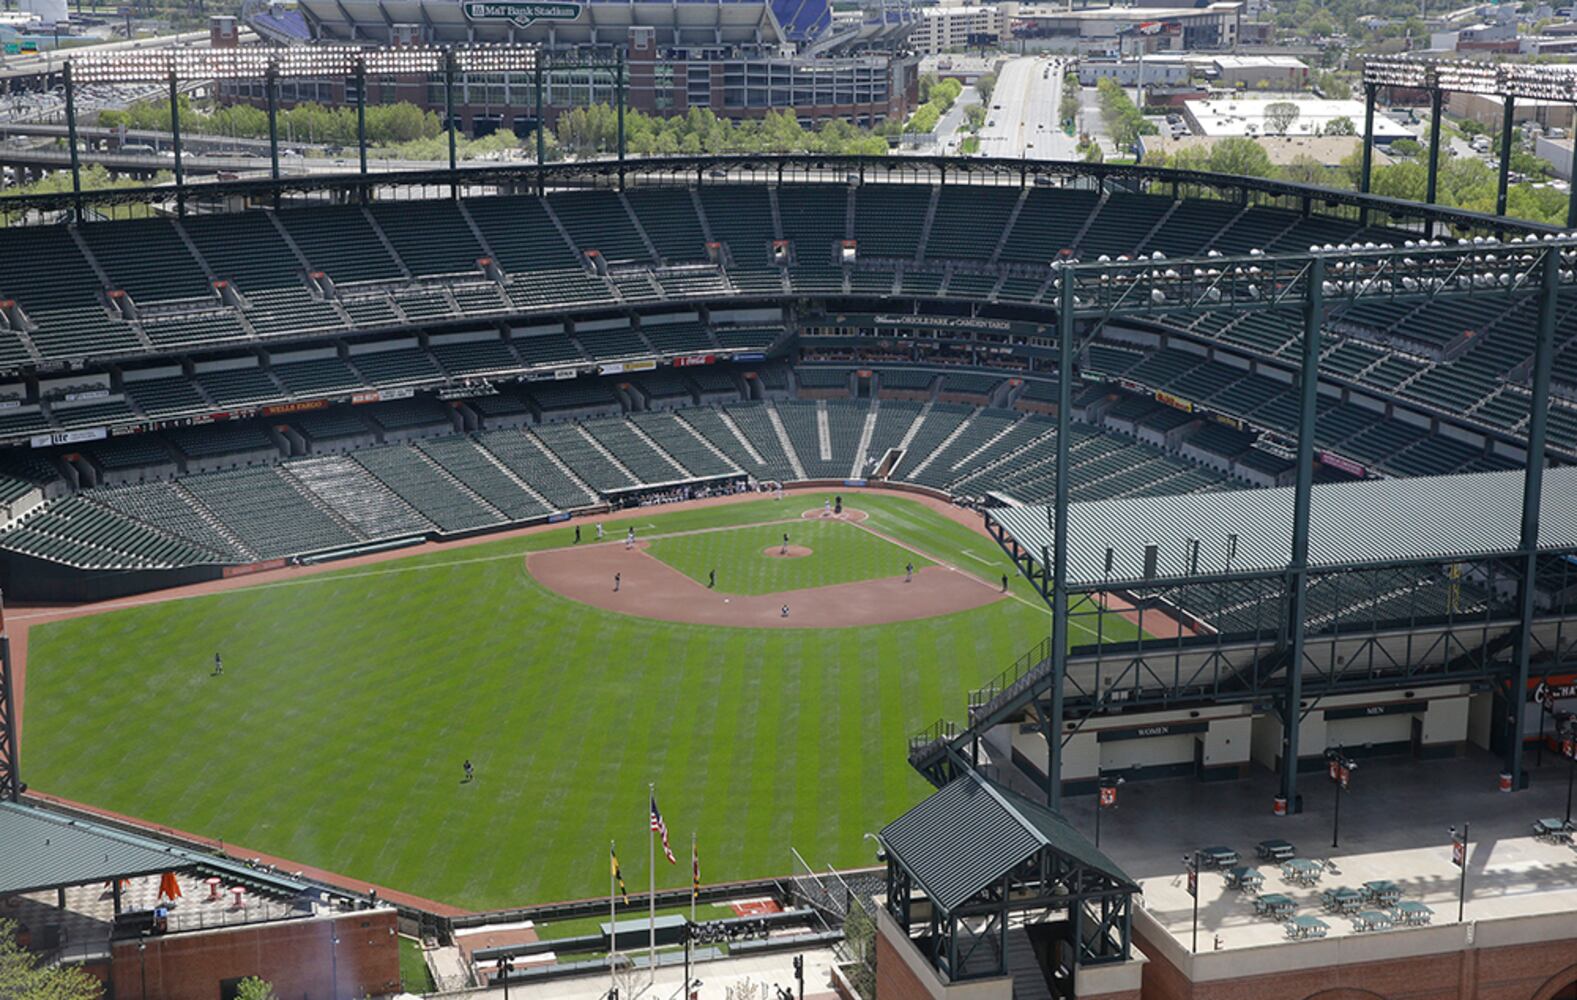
[
  {"x": 1279, "y": 116},
  {"x": 1340, "y": 125},
  {"x": 253, "y": 988},
  {"x": 984, "y": 85},
  {"x": 22, "y": 977},
  {"x": 1240, "y": 157},
  {"x": 1306, "y": 170},
  {"x": 1068, "y": 108}
]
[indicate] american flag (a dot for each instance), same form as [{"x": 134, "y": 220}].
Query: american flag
[{"x": 660, "y": 827}]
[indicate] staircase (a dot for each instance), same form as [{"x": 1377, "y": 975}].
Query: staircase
[
  {"x": 1007, "y": 227},
  {"x": 338, "y": 477},
  {"x": 739, "y": 435},
  {"x": 454, "y": 481},
  {"x": 605, "y": 453},
  {"x": 1078, "y": 237},
  {"x": 554, "y": 460},
  {"x": 510, "y": 475},
  {"x": 703, "y": 442},
  {"x": 311, "y": 497},
  {"x": 925, "y": 227},
  {"x": 784, "y": 442},
  {"x": 823, "y": 432},
  {"x": 212, "y": 520},
  {"x": 866, "y": 432},
  {"x": 999, "y": 435},
  {"x": 635, "y": 429},
  {"x": 946, "y": 443},
  {"x": 640, "y": 230}
]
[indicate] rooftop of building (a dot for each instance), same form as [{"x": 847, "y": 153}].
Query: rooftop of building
[
  {"x": 1329, "y": 150},
  {"x": 1030, "y": 10},
  {"x": 1395, "y": 820},
  {"x": 1238, "y": 115}
]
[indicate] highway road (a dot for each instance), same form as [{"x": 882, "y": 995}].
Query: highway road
[{"x": 1022, "y": 121}]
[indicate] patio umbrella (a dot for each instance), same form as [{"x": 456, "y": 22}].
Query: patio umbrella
[{"x": 168, "y": 886}]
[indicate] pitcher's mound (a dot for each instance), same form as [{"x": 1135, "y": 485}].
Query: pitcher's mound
[{"x": 777, "y": 552}]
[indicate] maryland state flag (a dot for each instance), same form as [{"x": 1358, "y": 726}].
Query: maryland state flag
[
  {"x": 695, "y": 870},
  {"x": 618, "y": 876}
]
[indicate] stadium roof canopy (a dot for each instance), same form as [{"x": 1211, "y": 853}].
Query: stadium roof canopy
[
  {"x": 603, "y": 22},
  {"x": 974, "y": 831},
  {"x": 45, "y": 850},
  {"x": 1363, "y": 523}
]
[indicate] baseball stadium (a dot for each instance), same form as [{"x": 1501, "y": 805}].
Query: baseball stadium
[{"x": 386, "y": 547}]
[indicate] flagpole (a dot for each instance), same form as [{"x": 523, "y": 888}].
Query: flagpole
[
  {"x": 651, "y": 899},
  {"x": 613, "y": 923},
  {"x": 694, "y": 869}
]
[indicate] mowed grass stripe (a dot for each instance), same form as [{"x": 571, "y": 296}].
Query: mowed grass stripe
[
  {"x": 335, "y": 736},
  {"x": 840, "y": 553}
]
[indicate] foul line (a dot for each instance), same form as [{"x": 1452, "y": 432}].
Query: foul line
[{"x": 331, "y": 576}]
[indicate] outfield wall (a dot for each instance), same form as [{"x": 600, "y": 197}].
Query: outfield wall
[{"x": 24, "y": 578}]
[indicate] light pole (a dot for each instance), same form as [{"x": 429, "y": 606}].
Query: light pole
[
  {"x": 334, "y": 965},
  {"x": 142, "y": 957},
  {"x": 506, "y": 965},
  {"x": 1341, "y": 769},
  {"x": 1191, "y": 863},
  {"x": 1459, "y": 858},
  {"x": 1566, "y": 728}
]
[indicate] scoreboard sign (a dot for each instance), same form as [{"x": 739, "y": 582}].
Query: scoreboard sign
[{"x": 520, "y": 12}]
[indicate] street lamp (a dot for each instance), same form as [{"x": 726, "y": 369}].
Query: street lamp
[
  {"x": 506, "y": 965},
  {"x": 334, "y": 965},
  {"x": 1459, "y": 858},
  {"x": 142, "y": 956},
  {"x": 1341, "y": 769},
  {"x": 1191, "y": 865},
  {"x": 1566, "y": 729}
]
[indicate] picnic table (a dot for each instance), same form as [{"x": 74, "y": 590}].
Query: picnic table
[
  {"x": 1342, "y": 899},
  {"x": 1413, "y": 913},
  {"x": 1302, "y": 871},
  {"x": 1551, "y": 829},
  {"x": 1218, "y": 857},
  {"x": 1276, "y": 850},
  {"x": 1383, "y": 892},
  {"x": 1244, "y": 878},
  {"x": 1299, "y": 928},
  {"x": 1276, "y": 905},
  {"x": 1372, "y": 920}
]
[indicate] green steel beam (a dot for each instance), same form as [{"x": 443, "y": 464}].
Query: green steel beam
[
  {"x": 1298, "y": 566},
  {"x": 1532, "y": 495},
  {"x": 1507, "y": 128},
  {"x": 1059, "y": 538},
  {"x": 175, "y": 145},
  {"x": 1434, "y": 156},
  {"x": 449, "y": 126},
  {"x": 1370, "y": 93},
  {"x": 71, "y": 139}
]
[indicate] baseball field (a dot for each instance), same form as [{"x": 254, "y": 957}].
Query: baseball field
[{"x": 350, "y": 698}]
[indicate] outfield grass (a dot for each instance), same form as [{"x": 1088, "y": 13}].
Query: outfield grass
[
  {"x": 350, "y": 698},
  {"x": 840, "y": 553}
]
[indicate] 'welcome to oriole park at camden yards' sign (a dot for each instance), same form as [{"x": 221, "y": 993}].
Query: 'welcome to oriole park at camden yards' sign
[{"x": 519, "y": 12}]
